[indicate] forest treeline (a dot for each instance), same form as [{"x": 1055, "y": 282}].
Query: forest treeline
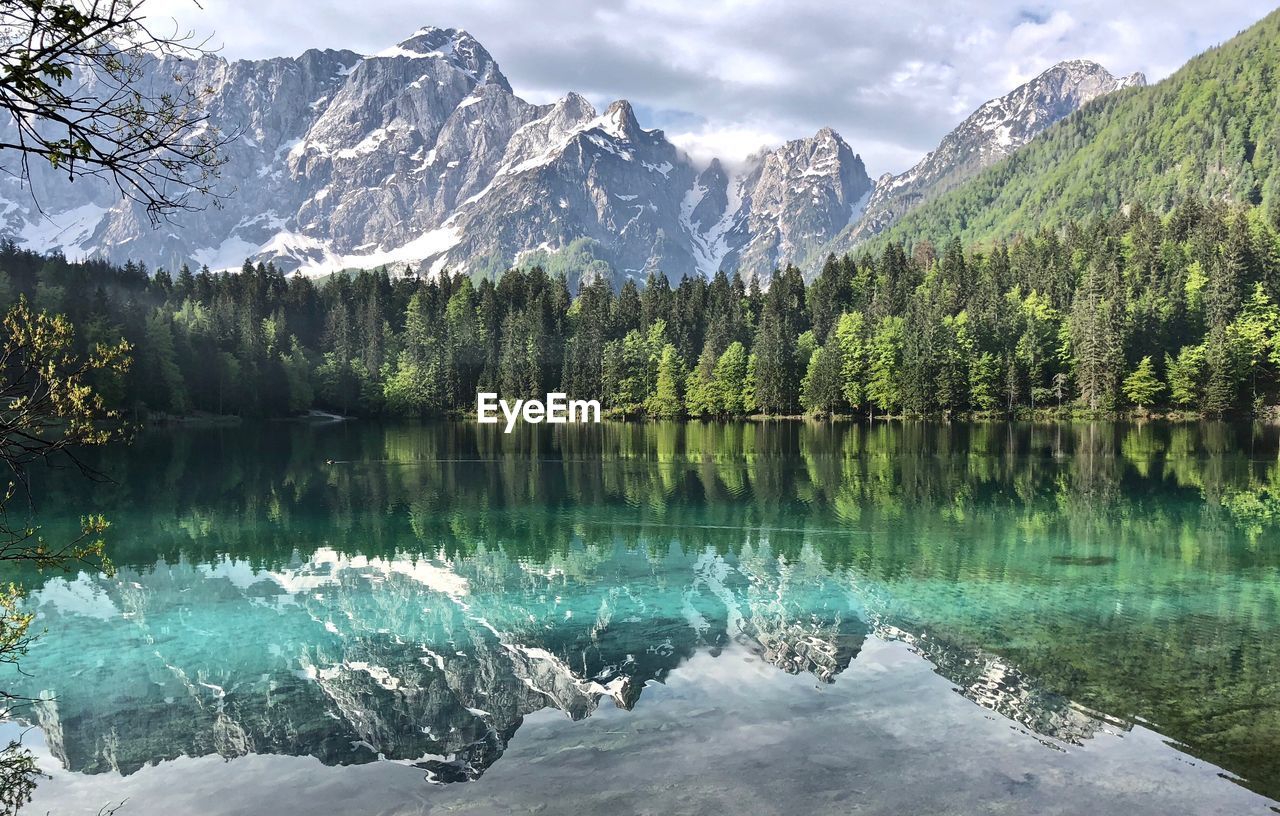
[{"x": 1133, "y": 310}]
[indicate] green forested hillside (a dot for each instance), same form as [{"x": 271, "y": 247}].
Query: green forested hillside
[{"x": 1209, "y": 131}]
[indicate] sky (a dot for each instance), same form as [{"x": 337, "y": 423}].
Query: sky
[{"x": 727, "y": 77}]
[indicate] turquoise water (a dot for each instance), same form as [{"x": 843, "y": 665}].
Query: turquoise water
[{"x": 780, "y": 617}]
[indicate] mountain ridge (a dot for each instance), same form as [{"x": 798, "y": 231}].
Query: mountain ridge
[
  {"x": 421, "y": 156},
  {"x": 1209, "y": 131},
  {"x": 994, "y": 131}
]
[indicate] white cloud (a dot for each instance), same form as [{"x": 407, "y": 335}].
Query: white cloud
[
  {"x": 732, "y": 143},
  {"x": 892, "y": 79}
]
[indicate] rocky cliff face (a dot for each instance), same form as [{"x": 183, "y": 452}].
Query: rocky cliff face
[
  {"x": 796, "y": 199},
  {"x": 421, "y": 157}
]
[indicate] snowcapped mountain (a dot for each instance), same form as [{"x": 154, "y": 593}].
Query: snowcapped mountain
[
  {"x": 572, "y": 174},
  {"x": 787, "y": 204},
  {"x": 992, "y": 132},
  {"x": 797, "y": 198},
  {"x": 420, "y": 156}
]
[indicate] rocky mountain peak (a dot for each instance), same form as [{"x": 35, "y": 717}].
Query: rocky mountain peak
[
  {"x": 789, "y": 203},
  {"x": 453, "y": 45},
  {"x": 620, "y": 121},
  {"x": 1077, "y": 71},
  {"x": 1062, "y": 87},
  {"x": 996, "y": 129},
  {"x": 824, "y": 153},
  {"x": 574, "y": 101}
]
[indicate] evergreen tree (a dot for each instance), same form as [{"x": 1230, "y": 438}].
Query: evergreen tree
[
  {"x": 1062, "y": 313},
  {"x": 820, "y": 391},
  {"x": 749, "y": 388},
  {"x": 701, "y": 397},
  {"x": 163, "y": 386},
  {"x": 853, "y": 358},
  {"x": 1252, "y": 335},
  {"x": 775, "y": 369},
  {"x": 831, "y": 291},
  {"x": 984, "y": 382},
  {"x": 1185, "y": 373},
  {"x": 733, "y": 382},
  {"x": 1095, "y": 343},
  {"x": 667, "y": 399},
  {"x": 954, "y": 362},
  {"x": 1142, "y": 387}
]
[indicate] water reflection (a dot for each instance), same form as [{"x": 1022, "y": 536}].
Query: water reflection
[{"x": 420, "y": 597}]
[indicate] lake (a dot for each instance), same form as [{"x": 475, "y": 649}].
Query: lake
[{"x": 780, "y": 617}]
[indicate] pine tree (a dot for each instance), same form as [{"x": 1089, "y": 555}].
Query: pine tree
[
  {"x": 1221, "y": 302},
  {"x": 1095, "y": 343},
  {"x": 954, "y": 362},
  {"x": 1222, "y": 382},
  {"x": 776, "y": 383},
  {"x": 1253, "y": 334},
  {"x": 733, "y": 381},
  {"x": 1142, "y": 387},
  {"x": 1072, "y": 307},
  {"x": 984, "y": 382},
  {"x": 922, "y": 343},
  {"x": 701, "y": 398},
  {"x": 853, "y": 358},
  {"x": 666, "y": 400},
  {"x": 1185, "y": 373},
  {"x": 297, "y": 377},
  {"x": 820, "y": 390},
  {"x": 749, "y": 387},
  {"x": 1034, "y": 349},
  {"x": 639, "y": 355},
  {"x": 164, "y": 388},
  {"x": 828, "y": 294}
]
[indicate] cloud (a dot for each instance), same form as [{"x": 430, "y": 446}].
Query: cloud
[
  {"x": 732, "y": 144},
  {"x": 721, "y": 74}
]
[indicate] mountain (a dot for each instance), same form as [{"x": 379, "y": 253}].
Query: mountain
[
  {"x": 571, "y": 175},
  {"x": 991, "y": 133},
  {"x": 420, "y": 156},
  {"x": 789, "y": 203},
  {"x": 1209, "y": 131}
]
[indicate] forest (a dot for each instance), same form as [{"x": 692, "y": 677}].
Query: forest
[{"x": 1127, "y": 312}]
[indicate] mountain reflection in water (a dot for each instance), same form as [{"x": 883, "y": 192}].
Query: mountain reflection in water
[{"x": 419, "y": 598}]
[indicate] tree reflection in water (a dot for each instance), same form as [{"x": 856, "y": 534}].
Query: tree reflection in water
[{"x": 420, "y": 596}]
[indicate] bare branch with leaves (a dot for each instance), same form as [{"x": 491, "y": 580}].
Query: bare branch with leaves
[{"x": 97, "y": 90}]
